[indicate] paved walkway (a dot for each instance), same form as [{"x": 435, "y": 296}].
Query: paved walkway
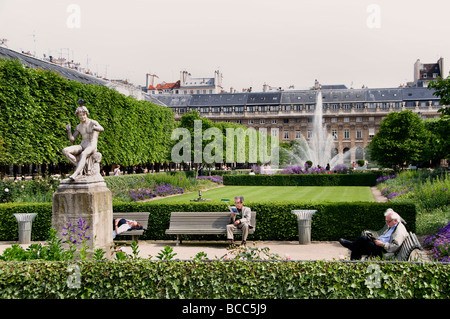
[
  {"x": 291, "y": 250},
  {"x": 215, "y": 250}
]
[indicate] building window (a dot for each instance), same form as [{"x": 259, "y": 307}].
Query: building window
[
  {"x": 359, "y": 106},
  {"x": 285, "y": 121},
  {"x": 227, "y": 109},
  {"x": 298, "y": 134},
  {"x": 358, "y": 134},
  {"x": 371, "y": 132},
  {"x": 309, "y": 134},
  {"x": 262, "y": 121},
  {"x": 250, "y": 121},
  {"x": 239, "y": 109},
  {"x": 333, "y": 119},
  {"x": 346, "y": 133},
  {"x": 334, "y": 134},
  {"x": 286, "y": 135},
  {"x": 273, "y": 108},
  {"x": 346, "y": 119},
  {"x": 274, "y": 131},
  {"x": 358, "y": 119},
  {"x": 334, "y": 106},
  {"x": 274, "y": 121},
  {"x": 251, "y": 108},
  {"x": 346, "y": 106}
]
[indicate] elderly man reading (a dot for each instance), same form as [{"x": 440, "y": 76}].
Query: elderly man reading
[
  {"x": 389, "y": 240},
  {"x": 240, "y": 220}
]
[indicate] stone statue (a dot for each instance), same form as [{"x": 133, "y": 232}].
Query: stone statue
[{"x": 84, "y": 157}]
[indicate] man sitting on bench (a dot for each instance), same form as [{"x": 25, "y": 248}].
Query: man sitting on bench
[
  {"x": 389, "y": 241},
  {"x": 241, "y": 220}
]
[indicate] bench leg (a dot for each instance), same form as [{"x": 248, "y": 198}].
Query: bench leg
[{"x": 178, "y": 240}]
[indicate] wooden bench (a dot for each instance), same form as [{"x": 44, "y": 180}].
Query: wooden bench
[
  {"x": 405, "y": 252},
  {"x": 202, "y": 223},
  {"x": 140, "y": 217},
  {"x": 408, "y": 250}
]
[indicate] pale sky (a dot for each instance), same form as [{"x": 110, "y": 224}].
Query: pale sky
[{"x": 252, "y": 42}]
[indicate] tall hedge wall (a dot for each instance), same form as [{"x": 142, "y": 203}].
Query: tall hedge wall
[
  {"x": 354, "y": 179},
  {"x": 187, "y": 280},
  {"x": 274, "y": 220},
  {"x": 36, "y": 105}
]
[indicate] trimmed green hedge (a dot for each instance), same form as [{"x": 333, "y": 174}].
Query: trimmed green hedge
[
  {"x": 136, "y": 279},
  {"x": 354, "y": 179},
  {"x": 274, "y": 220},
  {"x": 36, "y": 105}
]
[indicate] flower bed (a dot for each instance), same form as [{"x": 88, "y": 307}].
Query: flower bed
[
  {"x": 157, "y": 190},
  {"x": 429, "y": 191},
  {"x": 440, "y": 244}
]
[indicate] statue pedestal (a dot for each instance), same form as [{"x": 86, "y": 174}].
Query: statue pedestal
[{"x": 90, "y": 200}]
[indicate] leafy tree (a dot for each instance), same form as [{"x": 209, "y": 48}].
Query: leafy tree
[
  {"x": 402, "y": 139},
  {"x": 441, "y": 128},
  {"x": 442, "y": 90},
  {"x": 36, "y": 105},
  {"x": 439, "y": 144}
]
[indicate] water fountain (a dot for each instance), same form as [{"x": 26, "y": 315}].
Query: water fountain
[{"x": 320, "y": 147}]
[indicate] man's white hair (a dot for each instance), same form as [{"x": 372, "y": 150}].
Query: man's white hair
[{"x": 395, "y": 216}]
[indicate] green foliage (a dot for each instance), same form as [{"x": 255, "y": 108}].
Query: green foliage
[
  {"x": 402, "y": 139},
  {"x": 142, "y": 279},
  {"x": 355, "y": 179},
  {"x": 28, "y": 191},
  {"x": 166, "y": 253},
  {"x": 441, "y": 89},
  {"x": 231, "y": 147},
  {"x": 274, "y": 220},
  {"x": 429, "y": 190},
  {"x": 439, "y": 141},
  {"x": 35, "y": 106}
]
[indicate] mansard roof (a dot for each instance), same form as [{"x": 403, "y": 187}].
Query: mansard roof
[
  {"x": 295, "y": 97},
  {"x": 35, "y": 63}
]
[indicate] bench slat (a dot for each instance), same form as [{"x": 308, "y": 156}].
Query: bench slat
[
  {"x": 202, "y": 223},
  {"x": 408, "y": 246}
]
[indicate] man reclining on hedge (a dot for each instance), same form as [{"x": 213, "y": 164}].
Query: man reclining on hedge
[{"x": 387, "y": 240}]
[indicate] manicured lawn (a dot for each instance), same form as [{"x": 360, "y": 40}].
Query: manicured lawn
[{"x": 280, "y": 193}]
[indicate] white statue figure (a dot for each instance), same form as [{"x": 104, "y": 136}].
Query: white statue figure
[{"x": 84, "y": 156}]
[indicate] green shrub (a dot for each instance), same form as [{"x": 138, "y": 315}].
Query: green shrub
[
  {"x": 133, "y": 279},
  {"x": 274, "y": 221},
  {"x": 355, "y": 179}
]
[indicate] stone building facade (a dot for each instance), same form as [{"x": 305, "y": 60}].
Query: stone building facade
[{"x": 352, "y": 116}]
